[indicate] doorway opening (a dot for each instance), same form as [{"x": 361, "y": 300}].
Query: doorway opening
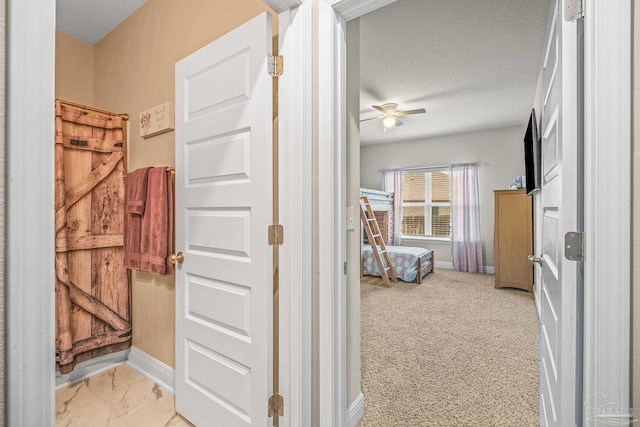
[{"x": 431, "y": 70}]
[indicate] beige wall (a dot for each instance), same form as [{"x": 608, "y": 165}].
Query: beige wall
[
  {"x": 74, "y": 70},
  {"x": 133, "y": 70},
  {"x": 353, "y": 200},
  {"x": 501, "y": 148}
]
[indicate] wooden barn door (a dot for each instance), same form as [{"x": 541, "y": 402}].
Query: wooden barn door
[{"x": 93, "y": 310}]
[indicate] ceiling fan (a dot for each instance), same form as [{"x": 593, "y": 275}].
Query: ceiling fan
[{"x": 390, "y": 115}]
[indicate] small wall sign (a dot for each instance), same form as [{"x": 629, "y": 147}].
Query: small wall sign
[{"x": 157, "y": 120}]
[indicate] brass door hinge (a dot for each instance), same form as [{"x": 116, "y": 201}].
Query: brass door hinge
[
  {"x": 276, "y": 235},
  {"x": 276, "y": 65},
  {"x": 276, "y": 406}
]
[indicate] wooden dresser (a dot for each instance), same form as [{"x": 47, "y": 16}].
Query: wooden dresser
[{"x": 513, "y": 239}]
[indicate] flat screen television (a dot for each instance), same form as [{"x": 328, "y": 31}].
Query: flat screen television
[{"x": 532, "y": 155}]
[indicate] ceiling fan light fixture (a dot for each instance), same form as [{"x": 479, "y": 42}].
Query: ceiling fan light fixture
[{"x": 389, "y": 122}]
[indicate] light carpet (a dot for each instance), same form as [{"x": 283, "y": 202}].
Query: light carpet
[{"x": 453, "y": 351}]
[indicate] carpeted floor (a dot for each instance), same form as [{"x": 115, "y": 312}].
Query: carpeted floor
[{"x": 453, "y": 351}]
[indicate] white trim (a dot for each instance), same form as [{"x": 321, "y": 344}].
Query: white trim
[
  {"x": 152, "y": 369},
  {"x": 489, "y": 269},
  {"x": 30, "y": 278},
  {"x": 355, "y": 411},
  {"x": 331, "y": 207},
  {"x": 295, "y": 140},
  {"x": 332, "y": 18},
  {"x": 445, "y": 265},
  {"x": 352, "y": 9},
  {"x": 280, "y": 6},
  {"x": 608, "y": 38},
  {"x": 91, "y": 367},
  {"x": 416, "y": 238}
]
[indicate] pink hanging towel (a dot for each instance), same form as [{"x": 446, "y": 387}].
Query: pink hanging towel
[{"x": 151, "y": 239}]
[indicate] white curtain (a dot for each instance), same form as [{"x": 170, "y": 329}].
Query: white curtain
[
  {"x": 392, "y": 183},
  {"x": 466, "y": 234}
]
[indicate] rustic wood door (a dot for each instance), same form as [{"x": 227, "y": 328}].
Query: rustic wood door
[
  {"x": 223, "y": 205},
  {"x": 93, "y": 312}
]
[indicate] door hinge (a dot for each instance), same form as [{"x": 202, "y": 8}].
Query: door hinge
[
  {"x": 276, "y": 235},
  {"x": 573, "y": 10},
  {"x": 345, "y": 268},
  {"x": 573, "y": 246},
  {"x": 276, "y": 65},
  {"x": 276, "y": 406}
]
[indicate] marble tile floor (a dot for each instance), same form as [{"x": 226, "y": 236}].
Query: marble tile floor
[{"x": 119, "y": 397}]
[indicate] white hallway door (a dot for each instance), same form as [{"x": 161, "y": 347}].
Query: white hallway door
[
  {"x": 558, "y": 300},
  {"x": 223, "y": 208}
]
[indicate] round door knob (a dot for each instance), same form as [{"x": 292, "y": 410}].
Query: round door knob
[
  {"x": 534, "y": 260},
  {"x": 179, "y": 258}
]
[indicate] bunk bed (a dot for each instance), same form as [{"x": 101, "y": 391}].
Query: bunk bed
[{"x": 411, "y": 264}]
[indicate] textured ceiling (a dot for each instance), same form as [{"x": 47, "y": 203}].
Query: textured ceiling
[
  {"x": 471, "y": 64},
  {"x": 91, "y": 20}
]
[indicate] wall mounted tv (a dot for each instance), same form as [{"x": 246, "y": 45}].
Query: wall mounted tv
[{"x": 532, "y": 155}]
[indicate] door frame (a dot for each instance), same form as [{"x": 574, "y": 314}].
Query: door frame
[
  {"x": 606, "y": 326},
  {"x": 29, "y": 256},
  {"x": 608, "y": 148}
]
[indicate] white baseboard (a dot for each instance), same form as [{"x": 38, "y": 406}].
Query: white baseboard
[
  {"x": 444, "y": 265},
  {"x": 356, "y": 411},
  {"x": 91, "y": 367},
  {"x": 488, "y": 269},
  {"x": 152, "y": 369}
]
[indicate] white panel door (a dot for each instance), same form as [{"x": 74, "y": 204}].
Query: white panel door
[
  {"x": 223, "y": 208},
  {"x": 559, "y": 194}
]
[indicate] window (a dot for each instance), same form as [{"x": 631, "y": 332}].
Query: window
[{"x": 426, "y": 203}]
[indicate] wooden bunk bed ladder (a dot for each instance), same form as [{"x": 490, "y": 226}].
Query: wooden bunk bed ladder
[{"x": 377, "y": 243}]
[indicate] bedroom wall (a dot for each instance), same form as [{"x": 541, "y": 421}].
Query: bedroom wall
[
  {"x": 501, "y": 148},
  {"x": 131, "y": 70}
]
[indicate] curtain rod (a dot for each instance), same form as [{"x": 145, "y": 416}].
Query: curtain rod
[
  {"x": 419, "y": 168},
  {"x": 97, "y": 110}
]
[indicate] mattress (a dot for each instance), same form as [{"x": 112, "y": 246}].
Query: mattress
[{"x": 403, "y": 258}]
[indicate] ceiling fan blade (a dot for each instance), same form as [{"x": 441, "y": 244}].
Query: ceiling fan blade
[
  {"x": 406, "y": 113},
  {"x": 398, "y": 122},
  {"x": 377, "y": 107},
  {"x": 372, "y": 118}
]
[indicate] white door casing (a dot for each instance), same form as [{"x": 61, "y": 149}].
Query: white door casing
[
  {"x": 559, "y": 196},
  {"x": 223, "y": 210},
  {"x": 609, "y": 92}
]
